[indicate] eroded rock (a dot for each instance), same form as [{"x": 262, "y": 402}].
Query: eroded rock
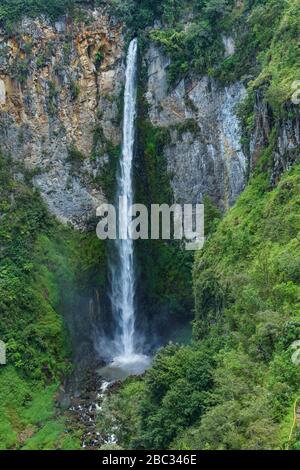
[
  {"x": 58, "y": 83},
  {"x": 205, "y": 155}
]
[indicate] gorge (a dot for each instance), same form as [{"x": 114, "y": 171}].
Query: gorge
[{"x": 158, "y": 102}]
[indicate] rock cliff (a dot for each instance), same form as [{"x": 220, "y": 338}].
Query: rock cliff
[
  {"x": 286, "y": 134},
  {"x": 205, "y": 154},
  {"x": 59, "y": 90}
]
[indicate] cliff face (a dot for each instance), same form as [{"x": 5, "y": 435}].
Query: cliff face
[
  {"x": 205, "y": 154},
  {"x": 59, "y": 90},
  {"x": 60, "y": 95},
  {"x": 287, "y": 138}
]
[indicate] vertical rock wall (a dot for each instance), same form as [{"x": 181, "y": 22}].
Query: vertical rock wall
[
  {"x": 205, "y": 154},
  {"x": 59, "y": 90}
]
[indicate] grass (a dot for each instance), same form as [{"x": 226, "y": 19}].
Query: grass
[
  {"x": 29, "y": 415},
  {"x": 42, "y": 265}
]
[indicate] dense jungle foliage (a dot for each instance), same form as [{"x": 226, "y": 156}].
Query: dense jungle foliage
[
  {"x": 40, "y": 272},
  {"x": 266, "y": 33},
  {"x": 12, "y": 10},
  {"x": 235, "y": 385}
]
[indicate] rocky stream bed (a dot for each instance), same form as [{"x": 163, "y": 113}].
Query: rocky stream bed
[{"x": 82, "y": 400}]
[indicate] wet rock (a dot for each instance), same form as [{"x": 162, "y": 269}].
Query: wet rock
[
  {"x": 86, "y": 397},
  {"x": 204, "y": 155}
]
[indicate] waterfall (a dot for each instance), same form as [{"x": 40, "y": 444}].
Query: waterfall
[
  {"x": 125, "y": 357},
  {"x": 123, "y": 277}
]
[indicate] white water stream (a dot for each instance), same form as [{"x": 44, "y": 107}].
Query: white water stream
[{"x": 126, "y": 360}]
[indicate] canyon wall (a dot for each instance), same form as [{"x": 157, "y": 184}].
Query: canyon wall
[
  {"x": 59, "y": 90},
  {"x": 286, "y": 139},
  {"x": 204, "y": 155}
]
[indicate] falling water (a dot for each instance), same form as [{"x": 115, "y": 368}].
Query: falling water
[
  {"x": 124, "y": 356},
  {"x": 123, "y": 278}
]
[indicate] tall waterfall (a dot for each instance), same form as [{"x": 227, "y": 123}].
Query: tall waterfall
[
  {"x": 123, "y": 277},
  {"x": 125, "y": 357}
]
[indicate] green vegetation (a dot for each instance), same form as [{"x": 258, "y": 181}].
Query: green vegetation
[
  {"x": 75, "y": 156},
  {"x": 12, "y": 11},
  {"x": 74, "y": 89},
  {"x": 189, "y": 125},
  {"x": 44, "y": 58},
  {"x": 280, "y": 63},
  {"x": 265, "y": 32},
  {"x": 106, "y": 178},
  {"x": 20, "y": 68},
  {"x": 107, "y": 174},
  {"x": 42, "y": 265},
  {"x": 266, "y": 50},
  {"x": 29, "y": 419},
  {"x": 99, "y": 57},
  {"x": 52, "y": 99},
  {"x": 165, "y": 286},
  {"x": 138, "y": 14},
  {"x": 234, "y": 387},
  {"x": 198, "y": 47}
]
